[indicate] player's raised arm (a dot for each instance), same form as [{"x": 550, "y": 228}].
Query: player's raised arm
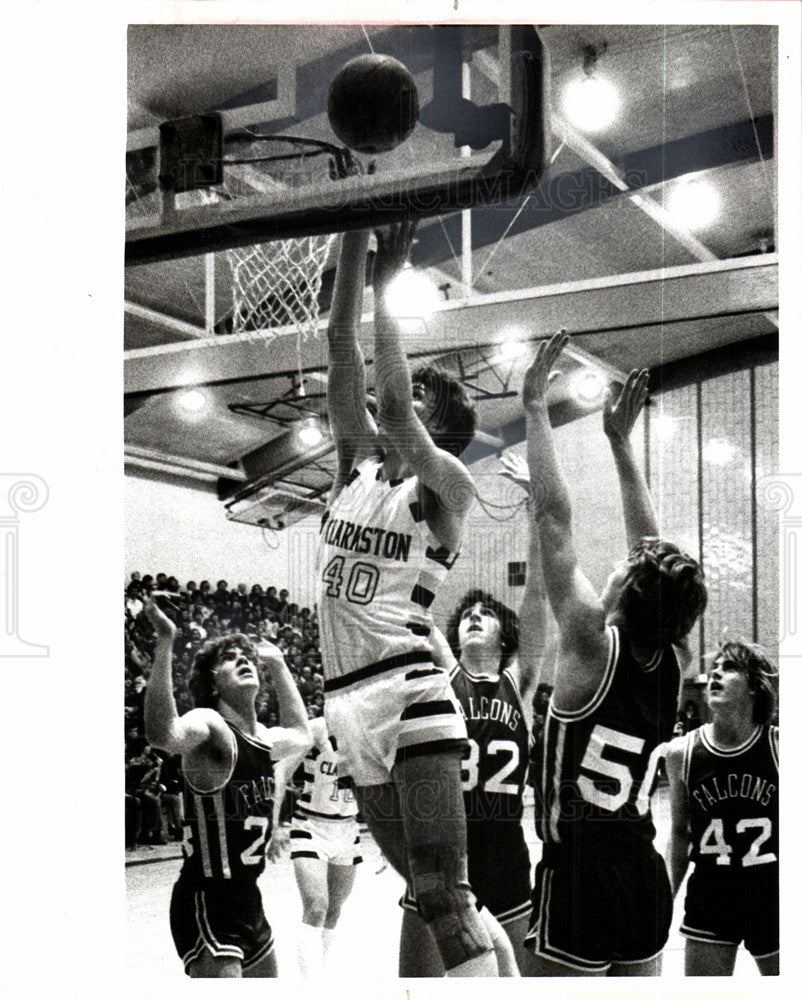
[
  {"x": 573, "y": 601},
  {"x": 352, "y": 427},
  {"x": 680, "y": 839},
  {"x": 443, "y": 473},
  {"x": 293, "y": 736},
  {"x": 620, "y": 414},
  {"x": 442, "y": 656},
  {"x": 282, "y": 775},
  {"x": 532, "y": 612},
  {"x": 164, "y": 728}
]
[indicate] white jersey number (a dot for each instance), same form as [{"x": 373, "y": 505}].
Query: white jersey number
[
  {"x": 601, "y": 739},
  {"x": 496, "y": 783},
  {"x": 712, "y": 842},
  {"x": 362, "y": 580},
  {"x": 252, "y": 854}
]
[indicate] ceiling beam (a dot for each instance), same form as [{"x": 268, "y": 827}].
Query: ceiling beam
[
  {"x": 596, "y": 159},
  {"x": 178, "y": 465},
  {"x": 619, "y": 302},
  {"x": 560, "y": 196}
]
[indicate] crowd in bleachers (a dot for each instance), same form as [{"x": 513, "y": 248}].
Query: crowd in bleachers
[{"x": 201, "y": 613}]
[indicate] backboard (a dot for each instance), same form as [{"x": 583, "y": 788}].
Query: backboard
[{"x": 481, "y": 136}]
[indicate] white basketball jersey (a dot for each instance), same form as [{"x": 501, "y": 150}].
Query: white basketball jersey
[
  {"x": 379, "y": 570},
  {"x": 322, "y": 794}
]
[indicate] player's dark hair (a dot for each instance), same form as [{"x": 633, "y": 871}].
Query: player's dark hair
[
  {"x": 202, "y": 684},
  {"x": 761, "y": 676},
  {"x": 663, "y": 593},
  {"x": 453, "y": 411},
  {"x": 508, "y": 620}
]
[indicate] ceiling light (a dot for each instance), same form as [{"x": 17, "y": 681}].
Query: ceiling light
[
  {"x": 663, "y": 426},
  {"x": 310, "y": 435},
  {"x": 588, "y": 387},
  {"x": 412, "y": 296},
  {"x": 717, "y": 451},
  {"x": 192, "y": 401},
  {"x": 591, "y": 103},
  {"x": 694, "y": 204},
  {"x": 512, "y": 344}
]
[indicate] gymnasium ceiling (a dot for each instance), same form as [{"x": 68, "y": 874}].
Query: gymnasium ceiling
[{"x": 633, "y": 285}]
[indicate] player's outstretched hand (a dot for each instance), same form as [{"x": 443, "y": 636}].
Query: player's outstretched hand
[
  {"x": 165, "y": 629},
  {"x": 277, "y": 845},
  {"x": 269, "y": 652},
  {"x": 392, "y": 249},
  {"x": 536, "y": 378},
  {"x": 622, "y": 408},
  {"x": 517, "y": 471}
]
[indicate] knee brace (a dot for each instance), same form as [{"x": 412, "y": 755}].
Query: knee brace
[{"x": 451, "y": 914}]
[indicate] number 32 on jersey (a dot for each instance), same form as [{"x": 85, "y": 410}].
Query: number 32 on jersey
[{"x": 503, "y": 755}]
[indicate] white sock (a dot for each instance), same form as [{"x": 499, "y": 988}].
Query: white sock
[
  {"x": 328, "y": 934},
  {"x": 480, "y": 965},
  {"x": 310, "y": 950}
]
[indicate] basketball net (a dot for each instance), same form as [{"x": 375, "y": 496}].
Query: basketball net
[{"x": 276, "y": 285}]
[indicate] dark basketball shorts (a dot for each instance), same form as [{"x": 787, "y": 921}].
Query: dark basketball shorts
[
  {"x": 500, "y": 871},
  {"x": 600, "y": 906},
  {"x": 227, "y": 919},
  {"x": 723, "y": 908}
]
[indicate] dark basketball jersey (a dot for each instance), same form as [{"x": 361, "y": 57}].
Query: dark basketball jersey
[
  {"x": 228, "y": 828},
  {"x": 495, "y": 763},
  {"x": 600, "y": 763},
  {"x": 733, "y": 801}
]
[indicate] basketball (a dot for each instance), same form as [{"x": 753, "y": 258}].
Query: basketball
[{"x": 373, "y": 103}]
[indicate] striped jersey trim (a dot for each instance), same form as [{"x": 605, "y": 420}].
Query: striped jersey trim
[
  {"x": 254, "y": 742},
  {"x": 687, "y": 755},
  {"x": 423, "y": 709},
  {"x": 604, "y": 685},
  {"x": 215, "y": 947},
  {"x": 774, "y": 745},
  {"x": 422, "y": 596},
  {"x": 419, "y": 629},
  {"x": 304, "y": 810},
  {"x": 552, "y": 822},
  {"x": 706, "y": 736},
  {"x": 416, "y": 510},
  {"x": 380, "y": 667}
]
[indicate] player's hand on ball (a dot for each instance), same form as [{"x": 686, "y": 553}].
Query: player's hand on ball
[
  {"x": 622, "y": 407},
  {"x": 517, "y": 471},
  {"x": 392, "y": 249},
  {"x": 537, "y": 375},
  {"x": 165, "y": 629}
]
